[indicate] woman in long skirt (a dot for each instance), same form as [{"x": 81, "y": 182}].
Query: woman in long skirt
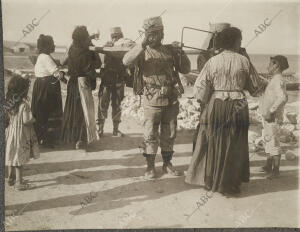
[
  {"x": 220, "y": 159},
  {"x": 79, "y": 125},
  {"x": 46, "y": 102}
]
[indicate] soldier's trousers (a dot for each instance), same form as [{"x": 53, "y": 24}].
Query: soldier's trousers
[
  {"x": 111, "y": 94},
  {"x": 164, "y": 117}
]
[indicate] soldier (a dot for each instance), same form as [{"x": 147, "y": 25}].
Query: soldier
[
  {"x": 112, "y": 87},
  {"x": 158, "y": 79}
]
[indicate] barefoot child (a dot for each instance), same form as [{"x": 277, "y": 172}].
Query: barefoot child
[
  {"x": 271, "y": 106},
  {"x": 21, "y": 141}
]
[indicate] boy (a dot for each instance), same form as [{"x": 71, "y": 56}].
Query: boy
[{"x": 271, "y": 106}]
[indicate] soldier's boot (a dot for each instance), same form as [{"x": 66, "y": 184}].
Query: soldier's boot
[
  {"x": 276, "y": 165},
  {"x": 268, "y": 166},
  {"x": 150, "y": 171},
  {"x": 116, "y": 131},
  {"x": 167, "y": 165},
  {"x": 100, "y": 129}
]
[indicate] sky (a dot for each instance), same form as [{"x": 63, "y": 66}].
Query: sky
[{"x": 282, "y": 36}]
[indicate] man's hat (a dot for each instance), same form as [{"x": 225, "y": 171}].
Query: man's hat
[
  {"x": 282, "y": 61},
  {"x": 153, "y": 24},
  {"x": 115, "y": 30}
]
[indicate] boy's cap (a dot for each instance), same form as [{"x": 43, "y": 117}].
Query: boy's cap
[{"x": 282, "y": 61}]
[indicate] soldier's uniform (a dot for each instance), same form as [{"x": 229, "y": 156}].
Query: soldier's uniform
[
  {"x": 161, "y": 107},
  {"x": 111, "y": 89}
]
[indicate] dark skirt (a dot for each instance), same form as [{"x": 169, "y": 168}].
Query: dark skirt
[
  {"x": 73, "y": 123},
  {"x": 46, "y": 107},
  {"x": 221, "y": 158}
]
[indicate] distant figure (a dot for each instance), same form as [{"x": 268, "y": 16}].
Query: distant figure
[
  {"x": 21, "y": 140},
  {"x": 220, "y": 160},
  {"x": 79, "y": 124},
  {"x": 112, "y": 86},
  {"x": 46, "y": 95},
  {"x": 271, "y": 106}
]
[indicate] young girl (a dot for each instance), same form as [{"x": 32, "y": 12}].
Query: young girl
[{"x": 21, "y": 141}]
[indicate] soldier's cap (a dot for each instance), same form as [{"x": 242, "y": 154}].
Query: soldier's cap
[
  {"x": 282, "y": 61},
  {"x": 153, "y": 24},
  {"x": 115, "y": 30}
]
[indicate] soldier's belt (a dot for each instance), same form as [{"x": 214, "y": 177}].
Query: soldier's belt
[
  {"x": 154, "y": 86},
  {"x": 154, "y": 77},
  {"x": 163, "y": 90}
]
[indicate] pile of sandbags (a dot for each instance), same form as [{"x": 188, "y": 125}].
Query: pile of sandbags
[
  {"x": 20, "y": 73},
  {"x": 188, "y": 116},
  {"x": 132, "y": 107},
  {"x": 255, "y": 143},
  {"x": 289, "y": 132},
  {"x": 255, "y": 117},
  {"x": 189, "y": 111}
]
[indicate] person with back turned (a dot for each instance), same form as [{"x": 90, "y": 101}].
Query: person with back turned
[
  {"x": 220, "y": 161},
  {"x": 157, "y": 79}
]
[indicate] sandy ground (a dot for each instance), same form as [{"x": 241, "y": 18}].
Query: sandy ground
[{"x": 122, "y": 198}]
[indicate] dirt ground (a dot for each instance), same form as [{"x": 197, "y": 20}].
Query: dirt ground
[
  {"x": 122, "y": 198},
  {"x": 105, "y": 188}
]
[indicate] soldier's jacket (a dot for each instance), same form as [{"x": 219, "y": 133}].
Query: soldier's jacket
[
  {"x": 157, "y": 69},
  {"x": 113, "y": 71}
]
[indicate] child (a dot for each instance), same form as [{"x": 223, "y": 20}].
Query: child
[
  {"x": 271, "y": 106},
  {"x": 21, "y": 141}
]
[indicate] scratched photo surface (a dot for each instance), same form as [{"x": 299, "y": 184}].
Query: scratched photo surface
[{"x": 151, "y": 114}]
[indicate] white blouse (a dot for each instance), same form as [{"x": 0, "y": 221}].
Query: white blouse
[
  {"x": 228, "y": 74},
  {"x": 45, "y": 66}
]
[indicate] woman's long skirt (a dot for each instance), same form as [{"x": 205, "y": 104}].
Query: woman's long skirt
[
  {"x": 73, "y": 123},
  {"x": 221, "y": 157},
  {"x": 88, "y": 108},
  {"x": 46, "y": 107}
]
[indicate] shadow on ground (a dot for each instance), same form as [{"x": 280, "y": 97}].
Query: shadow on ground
[{"x": 124, "y": 195}]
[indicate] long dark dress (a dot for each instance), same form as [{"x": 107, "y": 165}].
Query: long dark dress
[
  {"x": 81, "y": 63},
  {"x": 221, "y": 158},
  {"x": 46, "y": 105}
]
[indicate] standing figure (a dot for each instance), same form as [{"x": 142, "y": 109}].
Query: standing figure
[
  {"x": 112, "y": 87},
  {"x": 157, "y": 76},
  {"x": 220, "y": 160},
  {"x": 271, "y": 106},
  {"x": 79, "y": 125},
  {"x": 21, "y": 140},
  {"x": 46, "y": 102}
]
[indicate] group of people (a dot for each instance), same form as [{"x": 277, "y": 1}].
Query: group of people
[{"x": 220, "y": 160}]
